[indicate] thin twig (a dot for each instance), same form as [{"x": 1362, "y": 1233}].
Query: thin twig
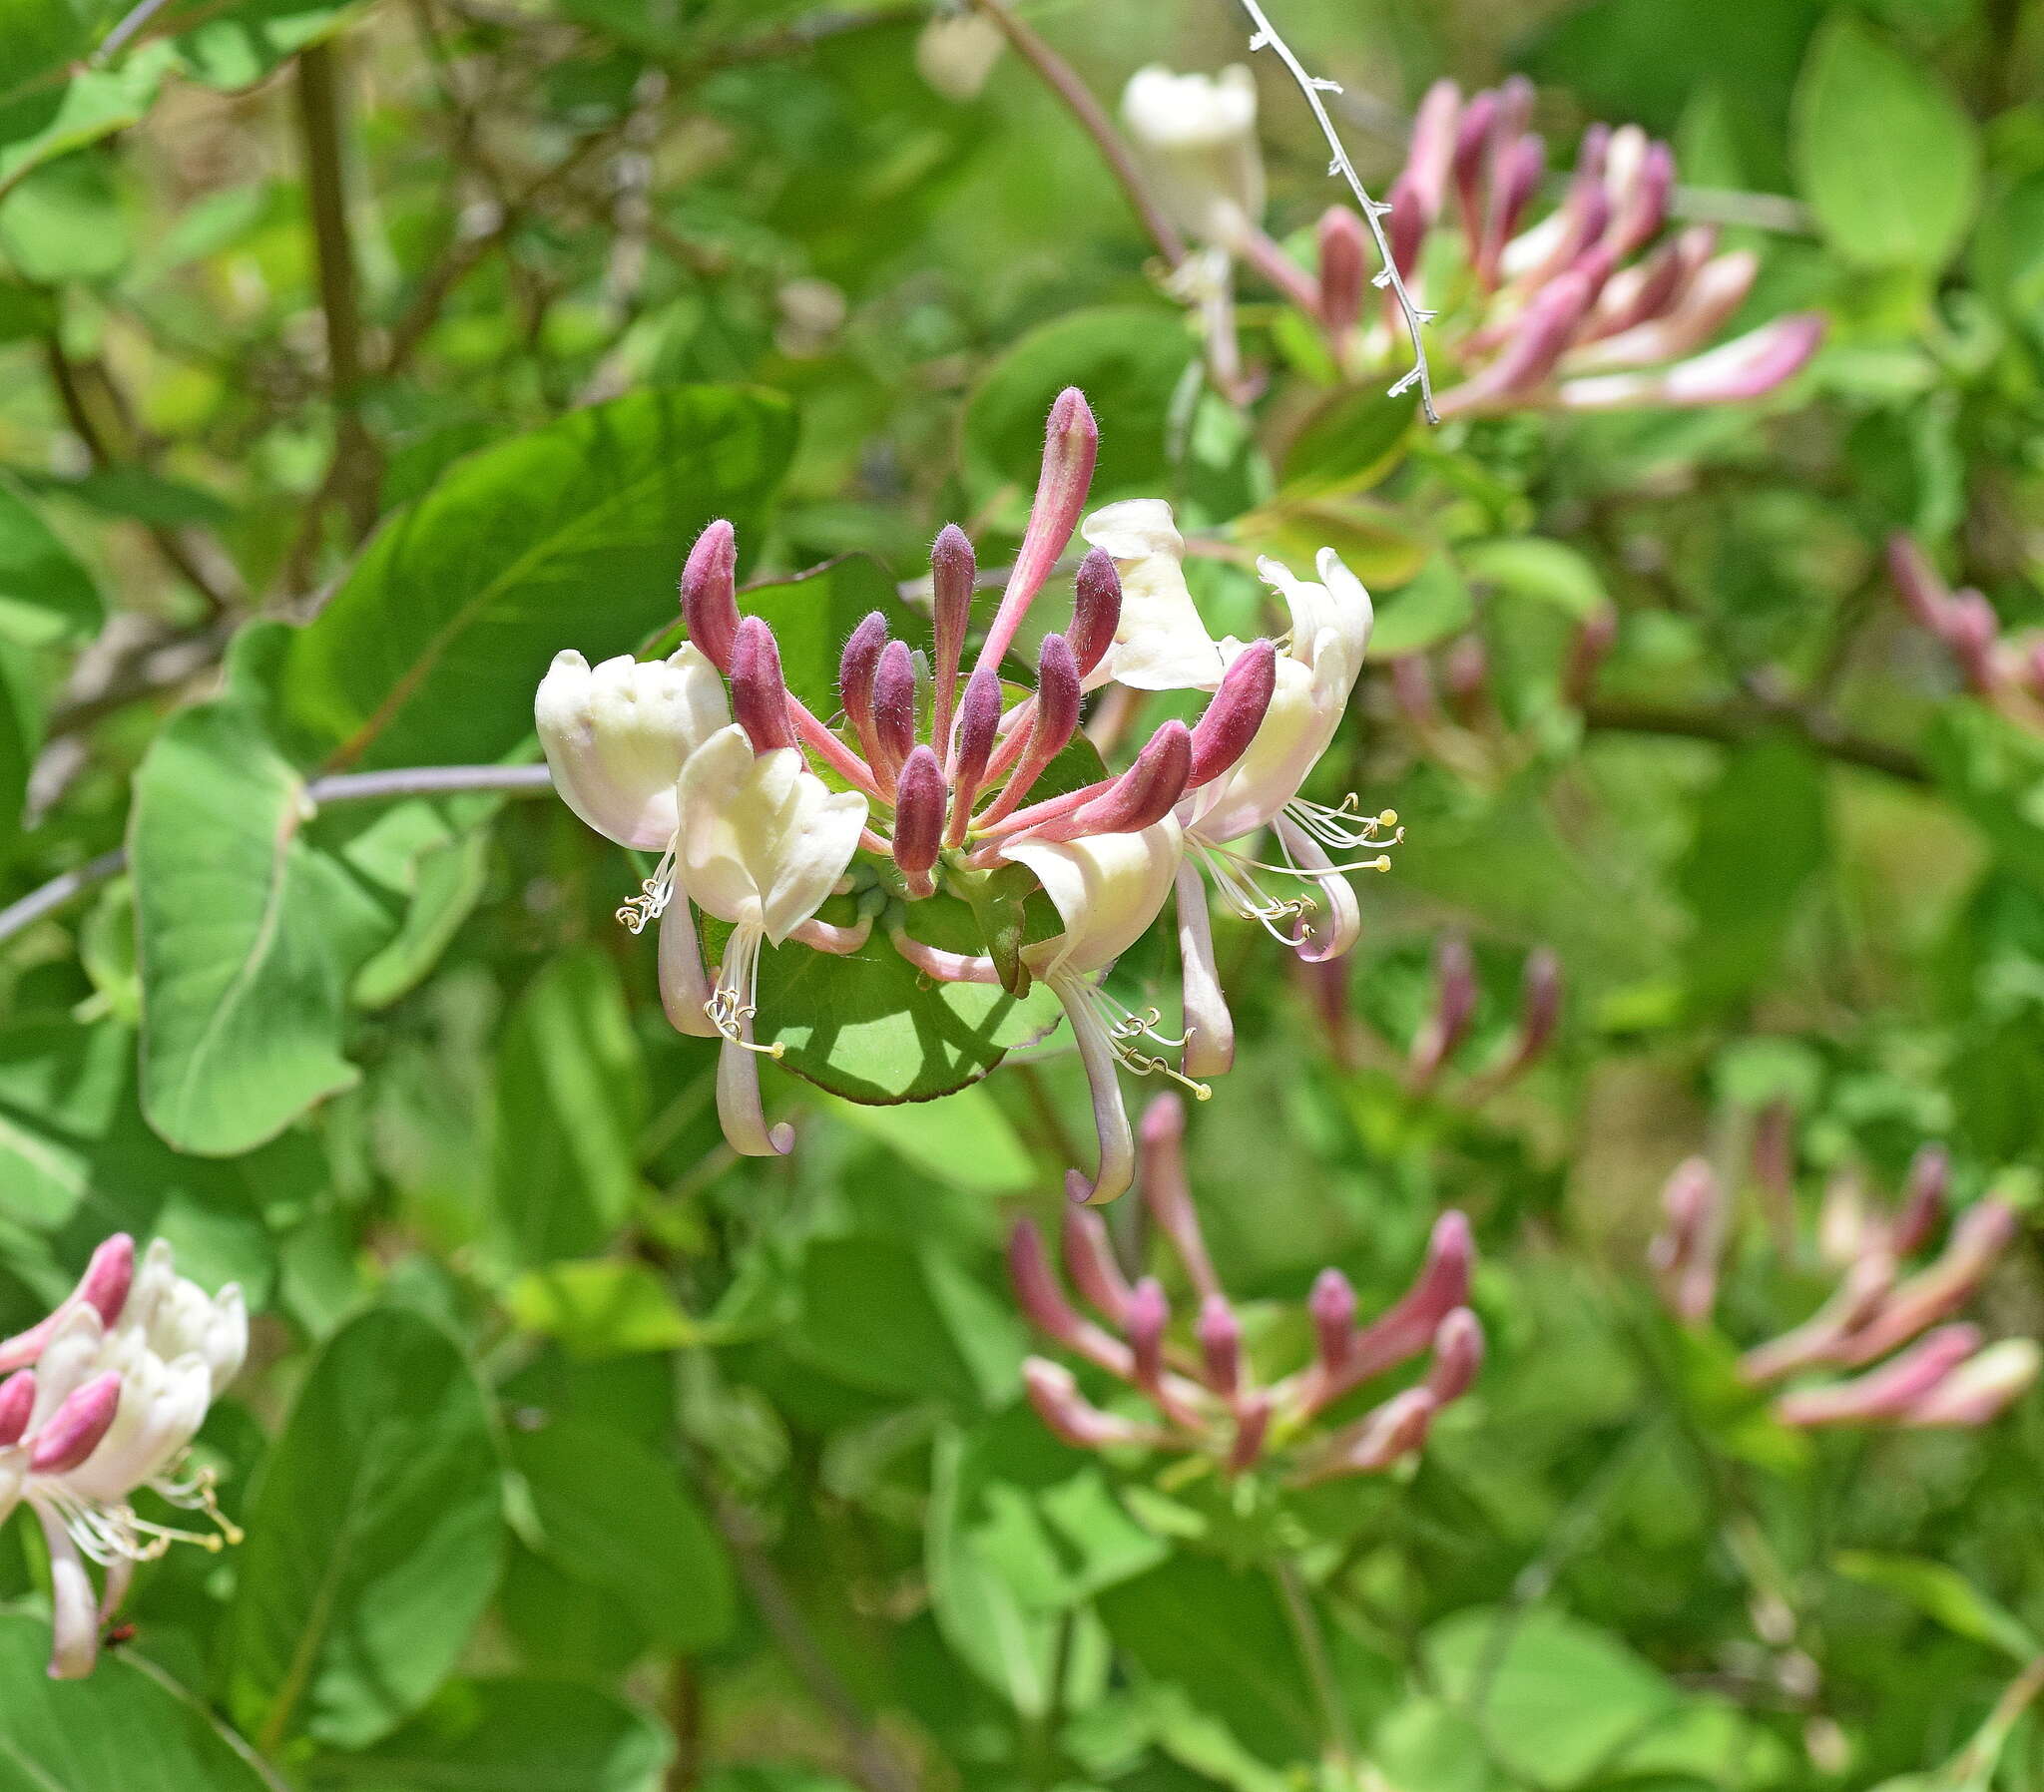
[
  {"x": 352, "y": 787},
  {"x": 354, "y": 474},
  {"x": 1264, "y": 37},
  {"x": 1060, "y": 77}
]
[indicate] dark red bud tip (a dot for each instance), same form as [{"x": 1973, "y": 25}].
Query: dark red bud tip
[
  {"x": 1235, "y": 714},
  {"x": 1096, "y": 609},
  {"x": 709, "y": 601},
  {"x": 17, "y": 1403},
  {"x": 1057, "y": 699},
  {"x": 1344, "y": 267},
  {"x": 918, "y": 817},
  {"x": 1450, "y": 1254},
  {"x": 109, "y": 1276},
  {"x": 856, "y": 667},
  {"x": 954, "y": 568},
  {"x": 1457, "y": 1355},
  {"x": 1146, "y": 792},
  {"x": 1219, "y": 1334},
  {"x": 759, "y": 694},
  {"x": 979, "y": 717},
  {"x": 74, "y": 1431},
  {"x": 1149, "y": 1313},
  {"x": 895, "y": 704}
]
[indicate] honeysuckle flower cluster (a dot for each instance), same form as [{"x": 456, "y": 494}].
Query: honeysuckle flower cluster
[
  {"x": 930, "y": 779},
  {"x": 1885, "y": 1347},
  {"x": 2006, "y": 670},
  {"x": 1193, "y": 1382},
  {"x": 101, "y": 1400},
  {"x": 1593, "y": 306}
]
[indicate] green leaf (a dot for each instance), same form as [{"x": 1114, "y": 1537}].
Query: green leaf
[
  {"x": 1943, "y": 1594},
  {"x": 236, "y": 46},
  {"x": 812, "y": 614},
  {"x": 1127, "y": 359},
  {"x": 903, "y": 1320},
  {"x": 571, "y": 1099},
  {"x": 1555, "y": 1699},
  {"x": 1887, "y": 157},
  {"x": 604, "y": 1307},
  {"x": 48, "y": 120},
  {"x": 1759, "y": 837},
  {"x": 572, "y": 536},
  {"x": 1348, "y": 442},
  {"x": 21, "y": 734},
  {"x": 123, "y": 1729},
  {"x": 1529, "y": 566},
  {"x": 1376, "y": 542},
  {"x": 443, "y": 878},
  {"x": 609, "y": 1512},
  {"x": 247, "y": 937},
  {"x": 64, "y": 221},
  {"x": 1993, "y": 771},
  {"x": 46, "y": 597},
  {"x": 1434, "y": 608},
  {"x": 374, "y": 1539},
  {"x": 512, "y": 1735},
  {"x": 964, "y": 1140}
]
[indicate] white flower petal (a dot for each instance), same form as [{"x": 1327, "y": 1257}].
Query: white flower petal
[
  {"x": 1161, "y": 643},
  {"x": 1107, "y": 887}
]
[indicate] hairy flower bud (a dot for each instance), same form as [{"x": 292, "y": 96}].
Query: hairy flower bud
[
  {"x": 1096, "y": 609},
  {"x": 1089, "y": 1259},
  {"x": 1888, "y": 1391},
  {"x": 1067, "y": 1412},
  {"x": 104, "y": 1287},
  {"x": 759, "y": 694},
  {"x": 1457, "y": 1355},
  {"x": 1379, "y": 1438},
  {"x": 1926, "y": 595},
  {"x": 709, "y": 601},
  {"x": 1684, "y": 1254},
  {"x": 1219, "y": 1335},
  {"x": 17, "y": 1402},
  {"x": 1148, "y": 1315},
  {"x": 1233, "y": 713},
  {"x": 1408, "y": 1327},
  {"x": 1043, "y": 1303},
  {"x": 919, "y": 818},
  {"x": 856, "y": 668},
  {"x": 1331, "y": 1307},
  {"x": 1924, "y": 1201},
  {"x": 953, "y": 569},
  {"x": 895, "y": 706},
  {"x": 1142, "y": 795},
  {"x": 1071, "y": 446},
  {"x": 1981, "y": 1389},
  {"x": 1454, "y": 974},
  {"x": 74, "y": 1431}
]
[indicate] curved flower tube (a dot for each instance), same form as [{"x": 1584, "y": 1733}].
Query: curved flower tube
[
  {"x": 107, "y": 1394},
  {"x": 1197, "y": 134}
]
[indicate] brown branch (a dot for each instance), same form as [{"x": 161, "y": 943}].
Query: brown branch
[
  {"x": 356, "y": 470},
  {"x": 1060, "y": 77},
  {"x": 1736, "y": 726}
]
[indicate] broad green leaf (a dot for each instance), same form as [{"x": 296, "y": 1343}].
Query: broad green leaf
[
  {"x": 1887, "y": 157},
  {"x": 964, "y": 1140},
  {"x": 238, "y": 46},
  {"x": 571, "y": 1099},
  {"x": 572, "y": 536},
  {"x": 1555, "y": 1699},
  {"x": 1376, "y": 542},
  {"x": 511, "y": 1735},
  {"x": 1943, "y": 1594},
  {"x": 123, "y": 1729},
  {"x": 56, "y": 115},
  {"x": 1221, "y": 1636},
  {"x": 872, "y": 1028},
  {"x": 611, "y": 1513},
  {"x": 1435, "y": 606},
  {"x": 1427, "y": 1743},
  {"x": 1349, "y": 443},
  {"x": 812, "y": 614},
  {"x": 1531, "y": 567},
  {"x": 46, "y": 595},
  {"x": 1761, "y": 835},
  {"x": 602, "y": 1307},
  {"x": 904, "y": 1319},
  {"x": 65, "y": 221},
  {"x": 1127, "y": 359},
  {"x": 374, "y": 1539},
  {"x": 247, "y": 937},
  {"x": 41, "y": 37},
  {"x": 446, "y": 877}
]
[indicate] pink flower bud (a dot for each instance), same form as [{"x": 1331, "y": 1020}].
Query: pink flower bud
[
  {"x": 1979, "y": 1389},
  {"x": 1454, "y": 972},
  {"x": 1096, "y": 610},
  {"x": 1405, "y": 229},
  {"x": 979, "y": 718},
  {"x": 17, "y": 1402},
  {"x": 1972, "y": 628},
  {"x": 1233, "y": 713},
  {"x": 953, "y": 569},
  {"x": 1457, "y": 1356},
  {"x": 1090, "y": 1260},
  {"x": 1044, "y": 1305},
  {"x": 1684, "y": 1254},
  {"x": 919, "y": 796},
  {"x": 1434, "y": 136},
  {"x": 1252, "y": 1427},
  {"x": 1405, "y": 1331},
  {"x": 1537, "y": 341},
  {"x": 1540, "y": 992},
  {"x": 1465, "y": 673},
  {"x": 1930, "y": 1175},
  {"x": 1594, "y": 638},
  {"x": 1978, "y": 1237},
  {"x": 1219, "y": 1335},
  {"x": 1057, "y": 701},
  {"x": 1379, "y": 1438},
  {"x": 1470, "y": 160},
  {"x": 709, "y": 599},
  {"x": 1331, "y": 1307},
  {"x": 1071, "y": 445},
  {"x": 1149, "y": 1313},
  {"x": 759, "y": 694},
  {"x": 895, "y": 706},
  {"x": 1344, "y": 269},
  {"x": 1926, "y": 595},
  {"x": 74, "y": 1431},
  {"x": 104, "y": 1287},
  {"x": 1161, "y": 1175},
  {"x": 1142, "y": 796},
  {"x": 1519, "y": 169},
  {"x": 1889, "y": 1391},
  {"x": 1068, "y": 1413},
  {"x": 856, "y": 668},
  {"x": 1412, "y": 688},
  {"x": 1642, "y": 203}
]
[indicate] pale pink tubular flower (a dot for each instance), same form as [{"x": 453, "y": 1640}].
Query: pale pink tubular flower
[
  {"x": 1199, "y": 1377},
  {"x": 1920, "y": 1368},
  {"x": 103, "y": 1399}
]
